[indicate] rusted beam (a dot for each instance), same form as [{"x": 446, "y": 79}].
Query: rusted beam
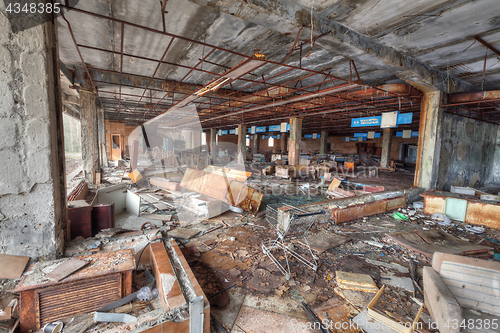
[
  {"x": 488, "y": 45},
  {"x": 473, "y": 97}
]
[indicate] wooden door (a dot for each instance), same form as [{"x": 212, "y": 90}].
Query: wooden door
[{"x": 116, "y": 151}]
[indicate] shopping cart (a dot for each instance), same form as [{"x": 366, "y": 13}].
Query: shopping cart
[{"x": 290, "y": 223}]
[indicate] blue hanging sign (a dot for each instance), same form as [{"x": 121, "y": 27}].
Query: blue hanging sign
[
  {"x": 312, "y": 136},
  {"x": 233, "y": 131},
  {"x": 260, "y": 129},
  {"x": 353, "y": 139},
  {"x": 223, "y": 132},
  {"x": 275, "y": 128},
  {"x": 405, "y": 118},
  {"x": 414, "y": 134},
  {"x": 366, "y": 121},
  {"x": 365, "y": 135}
]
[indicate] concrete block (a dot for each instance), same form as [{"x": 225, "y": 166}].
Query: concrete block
[
  {"x": 4, "y": 26},
  {"x": 6, "y": 99},
  {"x": 36, "y": 103},
  {"x": 38, "y": 165},
  {"x": 440, "y": 302},
  {"x": 33, "y": 66},
  {"x": 8, "y": 136},
  {"x": 11, "y": 172},
  {"x": 5, "y": 60},
  {"x": 38, "y": 134}
]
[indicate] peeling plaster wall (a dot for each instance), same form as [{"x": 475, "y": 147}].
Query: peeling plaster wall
[
  {"x": 495, "y": 167},
  {"x": 467, "y": 152},
  {"x": 32, "y": 193}
]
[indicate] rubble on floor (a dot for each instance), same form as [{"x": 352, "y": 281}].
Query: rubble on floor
[{"x": 169, "y": 256}]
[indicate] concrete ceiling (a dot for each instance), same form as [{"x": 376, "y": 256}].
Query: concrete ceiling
[{"x": 428, "y": 44}]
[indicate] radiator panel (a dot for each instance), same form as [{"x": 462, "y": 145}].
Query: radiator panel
[{"x": 64, "y": 300}]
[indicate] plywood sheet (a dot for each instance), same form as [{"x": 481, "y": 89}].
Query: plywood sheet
[
  {"x": 427, "y": 242},
  {"x": 12, "y": 266},
  {"x": 65, "y": 269}
]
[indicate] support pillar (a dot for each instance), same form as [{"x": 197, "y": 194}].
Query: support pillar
[
  {"x": 324, "y": 140},
  {"x": 103, "y": 158},
  {"x": 90, "y": 133},
  {"x": 386, "y": 148},
  {"x": 32, "y": 176},
  {"x": 213, "y": 144},
  {"x": 294, "y": 141},
  {"x": 255, "y": 143},
  {"x": 242, "y": 144},
  {"x": 197, "y": 141},
  {"x": 429, "y": 141},
  {"x": 284, "y": 140}
]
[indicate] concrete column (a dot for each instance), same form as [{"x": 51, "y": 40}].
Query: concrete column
[
  {"x": 284, "y": 139},
  {"x": 32, "y": 177},
  {"x": 90, "y": 133},
  {"x": 324, "y": 140},
  {"x": 242, "y": 144},
  {"x": 255, "y": 143},
  {"x": 103, "y": 158},
  {"x": 197, "y": 141},
  {"x": 386, "y": 148},
  {"x": 213, "y": 144},
  {"x": 294, "y": 141},
  {"x": 429, "y": 141}
]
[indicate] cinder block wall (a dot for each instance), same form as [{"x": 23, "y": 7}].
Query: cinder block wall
[{"x": 32, "y": 185}]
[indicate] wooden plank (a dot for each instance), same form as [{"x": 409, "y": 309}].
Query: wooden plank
[
  {"x": 12, "y": 266},
  {"x": 439, "y": 257},
  {"x": 239, "y": 175},
  {"x": 440, "y": 302},
  {"x": 354, "y": 281},
  {"x": 28, "y": 311},
  {"x": 474, "y": 287},
  {"x": 100, "y": 264},
  {"x": 427, "y": 242},
  {"x": 230, "y": 191},
  {"x": 162, "y": 268},
  {"x": 355, "y": 212},
  {"x": 65, "y": 269}
]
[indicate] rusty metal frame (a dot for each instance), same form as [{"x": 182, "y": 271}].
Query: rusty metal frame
[{"x": 310, "y": 100}]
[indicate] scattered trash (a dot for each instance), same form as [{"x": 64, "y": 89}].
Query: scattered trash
[
  {"x": 418, "y": 205},
  {"x": 53, "y": 327},
  {"x": 399, "y": 216},
  {"x": 442, "y": 219},
  {"x": 474, "y": 229},
  {"x": 146, "y": 294}
]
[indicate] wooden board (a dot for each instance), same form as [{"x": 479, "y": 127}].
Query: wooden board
[
  {"x": 354, "y": 281},
  {"x": 439, "y": 257},
  {"x": 473, "y": 287},
  {"x": 162, "y": 267},
  {"x": 100, "y": 264},
  {"x": 65, "y": 269},
  {"x": 427, "y": 242},
  {"x": 12, "y": 266},
  {"x": 324, "y": 241}
]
